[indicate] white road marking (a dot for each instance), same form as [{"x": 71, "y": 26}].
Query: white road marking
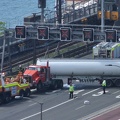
[
  {"x": 47, "y": 109},
  {"x": 90, "y": 91},
  {"x": 80, "y": 107},
  {"x": 77, "y": 91},
  {"x": 118, "y": 96},
  {"x": 101, "y": 112},
  {"x": 66, "y": 90},
  {"x": 55, "y": 91},
  {"x": 32, "y": 104},
  {"x": 116, "y": 92},
  {"x": 99, "y": 93},
  {"x": 33, "y": 90}
]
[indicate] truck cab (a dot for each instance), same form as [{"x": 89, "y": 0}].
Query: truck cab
[{"x": 39, "y": 77}]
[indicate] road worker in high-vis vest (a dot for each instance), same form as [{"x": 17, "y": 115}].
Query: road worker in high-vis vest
[
  {"x": 104, "y": 86},
  {"x": 71, "y": 90}
]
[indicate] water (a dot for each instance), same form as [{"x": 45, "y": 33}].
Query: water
[{"x": 13, "y": 11}]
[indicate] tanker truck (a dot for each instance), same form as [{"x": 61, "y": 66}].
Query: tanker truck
[{"x": 85, "y": 69}]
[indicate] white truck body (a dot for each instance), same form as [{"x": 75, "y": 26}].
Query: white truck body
[{"x": 84, "y": 68}]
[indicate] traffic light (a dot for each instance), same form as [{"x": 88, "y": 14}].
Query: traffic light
[
  {"x": 111, "y": 35},
  {"x": 20, "y": 32},
  {"x": 41, "y": 3},
  {"x": 43, "y": 33},
  {"x": 88, "y": 34},
  {"x": 65, "y": 34}
]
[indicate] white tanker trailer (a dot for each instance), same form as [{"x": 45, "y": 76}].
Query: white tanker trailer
[{"x": 85, "y": 70}]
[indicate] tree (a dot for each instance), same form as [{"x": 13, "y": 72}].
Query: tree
[{"x": 2, "y": 27}]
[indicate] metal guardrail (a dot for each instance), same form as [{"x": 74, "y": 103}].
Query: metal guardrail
[
  {"x": 78, "y": 52},
  {"x": 80, "y": 14},
  {"x": 23, "y": 58}
]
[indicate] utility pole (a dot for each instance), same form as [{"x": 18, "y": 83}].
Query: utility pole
[
  {"x": 59, "y": 13},
  {"x": 2, "y": 59},
  {"x": 73, "y": 5},
  {"x": 42, "y": 15},
  {"x": 42, "y": 5},
  {"x": 9, "y": 53},
  {"x": 34, "y": 51},
  {"x": 118, "y": 5},
  {"x": 102, "y": 16},
  {"x": 41, "y": 104}
]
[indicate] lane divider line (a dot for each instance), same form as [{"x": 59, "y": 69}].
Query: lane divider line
[
  {"x": 90, "y": 91},
  {"x": 80, "y": 107},
  {"x": 47, "y": 109}
]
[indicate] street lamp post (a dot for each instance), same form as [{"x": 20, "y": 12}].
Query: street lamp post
[
  {"x": 9, "y": 53},
  {"x": 41, "y": 104},
  {"x": 60, "y": 13},
  {"x": 3, "y": 52},
  {"x": 73, "y": 5},
  {"x": 102, "y": 16},
  {"x": 34, "y": 53}
]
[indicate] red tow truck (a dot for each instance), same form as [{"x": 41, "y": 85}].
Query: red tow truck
[{"x": 39, "y": 77}]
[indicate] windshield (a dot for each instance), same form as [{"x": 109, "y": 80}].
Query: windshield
[{"x": 34, "y": 68}]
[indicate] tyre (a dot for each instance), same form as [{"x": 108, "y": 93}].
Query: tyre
[
  {"x": 7, "y": 98},
  {"x": 109, "y": 83},
  {"x": 21, "y": 94},
  {"x": 27, "y": 92},
  {"x": 60, "y": 84},
  {"x": 13, "y": 98},
  {"x": 117, "y": 82},
  {"x": 55, "y": 85},
  {"x": 1, "y": 99},
  {"x": 39, "y": 86}
]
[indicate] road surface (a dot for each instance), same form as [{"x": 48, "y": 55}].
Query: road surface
[{"x": 89, "y": 102}]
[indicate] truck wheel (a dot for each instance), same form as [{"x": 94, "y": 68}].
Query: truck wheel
[
  {"x": 13, "y": 98},
  {"x": 27, "y": 92},
  {"x": 117, "y": 82},
  {"x": 109, "y": 83},
  {"x": 7, "y": 98},
  {"x": 21, "y": 94},
  {"x": 1, "y": 100},
  {"x": 39, "y": 86},
  {"x": 55, "y": 85},
  {"x": 60, "y": 84}
]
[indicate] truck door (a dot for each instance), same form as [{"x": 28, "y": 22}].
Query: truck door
[{"x": 43, "y": 74}]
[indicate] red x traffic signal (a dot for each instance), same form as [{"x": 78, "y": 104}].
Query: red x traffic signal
[
  {"x": 43, "y": 33},
  {"x": 111, "y": 35},
  {"x": 65, "y": 34},
  {"x": 88, "y": 34},
  {"x": 20, "y": 32}
]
